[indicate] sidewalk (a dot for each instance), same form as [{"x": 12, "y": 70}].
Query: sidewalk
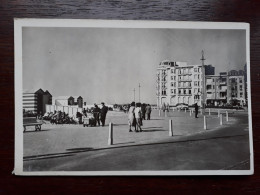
[{"x": 55, "y": 139}]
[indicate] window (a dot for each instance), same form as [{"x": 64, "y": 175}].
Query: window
[
  {"x": 241, "y": 94},
  {"x": 171, "y": 70},
  {"x": 174, "y": 91},
  {"x": 198, "y": 83},
  {"x": 179, "y": 91},
  {"x": 240, "y": 80},
  {"x": 195, "y": 83},
  {"x": 198, "y": 69},
  {"x": 174, "y": 77},
  {"x": 172, "y": 84},
  {"x": 195, "y": 90},
  {"x": 171, "y": 77},
  {"x": 241, "y": 87},
  {"x": 195, "y": 69},
  {"x": 195, "y": 76},
  {"x": 171, "y": 90},
  {"x": 198, "y": 76},
  {"x": 184, "y": 91},
  {"x": 189, "y": 91}
]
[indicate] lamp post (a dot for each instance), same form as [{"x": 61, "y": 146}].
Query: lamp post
[
  {"x": 203, "y": 82},
  {"x": 134, "y": 94},
  {"x": 139, "y": 92}
]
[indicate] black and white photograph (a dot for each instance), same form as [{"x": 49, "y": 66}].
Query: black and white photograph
[{"x": 118, "y": 97}]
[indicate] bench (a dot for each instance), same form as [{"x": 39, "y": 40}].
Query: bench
[{"x": 31, "y": 121}]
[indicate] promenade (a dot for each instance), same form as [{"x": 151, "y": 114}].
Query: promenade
[{"x": 56, "y": 140}]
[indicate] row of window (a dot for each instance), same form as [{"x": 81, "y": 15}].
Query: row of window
[{"x": 185, "y": 70}]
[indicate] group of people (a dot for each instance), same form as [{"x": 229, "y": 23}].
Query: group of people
[
  {"x": 99, "y": 114},
  {"x": 136, "y": 114}
]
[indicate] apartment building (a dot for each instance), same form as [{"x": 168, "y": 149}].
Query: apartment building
[{"x": 178, "y": 82}]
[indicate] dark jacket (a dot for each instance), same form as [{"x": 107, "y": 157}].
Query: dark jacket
[{"x": 104, "y": 110}]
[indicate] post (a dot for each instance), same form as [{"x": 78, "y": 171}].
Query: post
[
  {"x": 209, "y": 111},
  {"x": 205, "y": 123},
  {"x": 218, "y": 113},
  {"x": 185, "y": 109},
  {"x": 159, "y": 112},
  {"x": 190, "y": 112},
  {"x": 165, "y": 114},
  {"x": 110, "y": 138},
  {"x": 170, "y": 128},
  {"x": 221, "y": 119},
  {"x": 227, "y": 115},
  {"x": 173, "y": 109},
  {"x": 201, "y": 111}
]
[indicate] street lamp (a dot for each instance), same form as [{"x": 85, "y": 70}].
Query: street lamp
[{"x": 203, "y": 82}]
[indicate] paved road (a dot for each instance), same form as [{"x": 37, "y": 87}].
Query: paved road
[{"x": 219, "y": 148}]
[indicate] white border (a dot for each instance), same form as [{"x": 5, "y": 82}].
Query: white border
[{"x": 19, "y": 23}]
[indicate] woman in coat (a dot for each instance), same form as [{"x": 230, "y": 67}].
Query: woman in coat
[{"x": 131, "y": 117}]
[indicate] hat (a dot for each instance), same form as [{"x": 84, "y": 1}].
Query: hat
[{"x": 102, "y": 103}]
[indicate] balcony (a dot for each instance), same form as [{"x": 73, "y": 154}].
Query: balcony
[{"x": 223, "y": 83}]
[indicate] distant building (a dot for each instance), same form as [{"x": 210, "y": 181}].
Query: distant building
[
  {"x": 35, "y": 101},
  {"x": 68, "y": 101},
  {"x": 178, "y": 82}
]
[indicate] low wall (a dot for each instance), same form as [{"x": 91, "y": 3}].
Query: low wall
[{"x": 71, "y": 110}]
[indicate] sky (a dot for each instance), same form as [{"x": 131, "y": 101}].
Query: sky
[{"x": 107, "y": 64}]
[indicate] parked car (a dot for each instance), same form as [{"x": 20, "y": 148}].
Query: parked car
[{"x": 182, "y": 106}]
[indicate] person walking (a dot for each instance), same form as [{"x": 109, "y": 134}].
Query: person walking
[
  {"x": 143, "y": 111},
  {"x": 131, "y": 117},
  {"x": 148, "y": 111},
  {"x": 103, "y": 113},
  {"x": 196, "y": 110},
  {"x": 96, "y": 113},
  {"x": 138, "y": 117}
]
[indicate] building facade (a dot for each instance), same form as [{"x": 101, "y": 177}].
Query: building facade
[
  {"x": 178, "y": 82},
  {"x": 36, "y": 101},
  {"x": 68, "y": 101}
]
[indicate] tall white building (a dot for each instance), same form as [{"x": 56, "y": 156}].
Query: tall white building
[{"x": 178, "y": 82}]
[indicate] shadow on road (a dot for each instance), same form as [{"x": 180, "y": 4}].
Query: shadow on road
[
  {"x": 74, "y": 151},
  {"x": 33, "y": 131}
]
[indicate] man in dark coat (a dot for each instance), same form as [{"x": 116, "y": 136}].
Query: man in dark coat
[
  {"x": 103, "y": 113},
  {"x": 143, "y": 111},
  {"x": 96, "y": 112},
  {"x": 196, "y": 110}
]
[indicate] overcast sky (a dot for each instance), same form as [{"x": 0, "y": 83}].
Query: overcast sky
[{"x": 103, "y": 64}]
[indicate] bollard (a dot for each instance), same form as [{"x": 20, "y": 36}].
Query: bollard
[
  {"x": 178, "y": 109},
  {"x": 227, "y": 115},
  {"x": 209, "y": 111},
  {"x": 205, "y": 123},
  {"x": 218, "y": 113},
  {"x": 159, "y": 112},
  {"x": 165, "y": 113},
  {"x": 110, "y": 138},
  {"x": 190, "y": 112},
  {"x": 220, "y": 119},
  {"x": 200, "y": 111},
  {"x": 173, "y": 109},
  {"x": 170, "y": 128}
]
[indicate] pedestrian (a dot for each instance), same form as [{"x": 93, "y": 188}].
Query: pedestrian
[
  {"x": 148, "y": 111},
  {"x": 196, "y": 110},
  {"x": 163, "y": 107},
  {"x": 96, "y": 113},
  {"x": 143, "y": 111},
  {"x": 138, "y": 116},
  {"x": 131, "y": 116},
  {"x": 103, "y": 113}
]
